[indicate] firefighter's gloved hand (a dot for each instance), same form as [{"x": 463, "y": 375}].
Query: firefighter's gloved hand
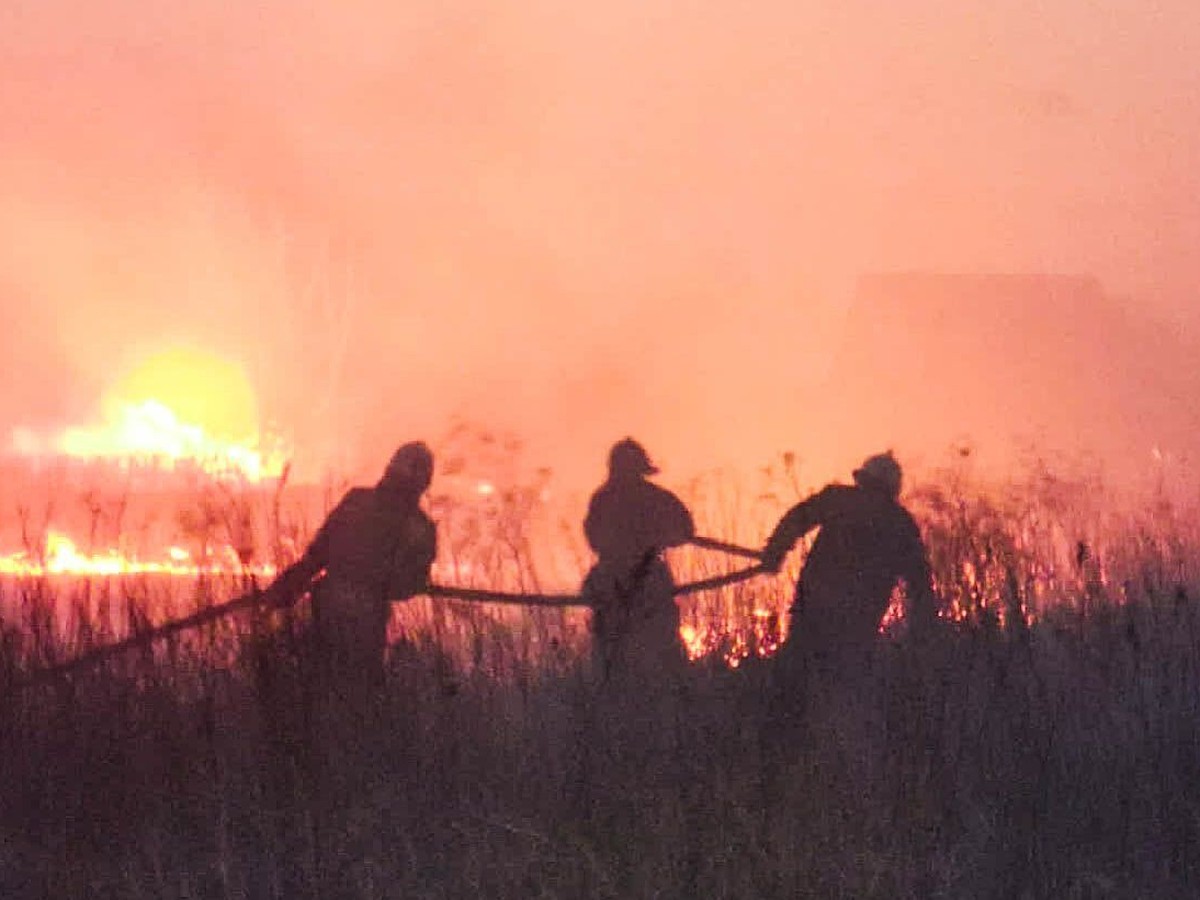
[
  {"x": 771, "y": 559},
  {"x": 277, "y": 596},
  {"x": 288, "y": 587}
]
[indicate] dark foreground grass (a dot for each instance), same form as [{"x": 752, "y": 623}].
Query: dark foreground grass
[
  {"x": 1057, "y": 758},
  {"x": 1058, "y": 761}
]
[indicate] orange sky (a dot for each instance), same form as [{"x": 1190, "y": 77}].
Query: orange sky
[{"x": 572, "y": 221}]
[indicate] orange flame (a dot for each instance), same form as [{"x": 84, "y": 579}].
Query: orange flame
[
  {"x": 180, "y": 409},
  {"x": 761, "y": 637},
  {"x": 61, "y": 556},
  {"x": 150, "y": 431}
]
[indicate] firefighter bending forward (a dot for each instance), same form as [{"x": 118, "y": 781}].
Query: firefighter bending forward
[
  {"x": 630, "y": 521},
  {"x": 376, "y": 546},
  {"x": 867, "y": 544}
]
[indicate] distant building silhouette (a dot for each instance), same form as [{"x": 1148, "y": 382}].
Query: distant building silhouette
[{"x": 1043, "y": 361}]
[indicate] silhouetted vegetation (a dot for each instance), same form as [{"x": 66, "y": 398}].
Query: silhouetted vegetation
[{"x": 1044, "y": 743}]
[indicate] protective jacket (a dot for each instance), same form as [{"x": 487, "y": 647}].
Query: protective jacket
[
  {"x": 376, "y": 546},
  {"x": 867, "y": 544},
  {"x": 629, "y": 522}
]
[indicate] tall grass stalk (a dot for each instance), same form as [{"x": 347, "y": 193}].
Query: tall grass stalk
[{"x": 1046, "y": 743}]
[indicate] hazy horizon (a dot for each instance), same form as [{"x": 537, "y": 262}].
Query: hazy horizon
[{"x": 637, "y": 219}]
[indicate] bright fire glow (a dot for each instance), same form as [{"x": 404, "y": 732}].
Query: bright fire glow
[
  {"x": 199, "y": 387},
  {"x": 177, "y": 410},
  {"x": 61, "y": 556},
  {"x": 150, "y": 431},
  {"x": 761, "y": 637},
  {"x": 179, "y": 407}
]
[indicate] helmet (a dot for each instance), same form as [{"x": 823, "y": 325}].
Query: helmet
[
  {"x": 628, "y": 457},
  {"x": 880, "y": 471},
  {"x": 411, "y": 465}
]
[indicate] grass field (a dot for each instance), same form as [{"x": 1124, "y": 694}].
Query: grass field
[{"x": 1045, "y": 743}]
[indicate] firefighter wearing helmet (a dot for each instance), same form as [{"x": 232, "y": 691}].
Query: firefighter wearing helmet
[
  {"x": 376, "y": 546},
  {"x": 867, "y": 544},
  {"x": 630, "y": 521}
]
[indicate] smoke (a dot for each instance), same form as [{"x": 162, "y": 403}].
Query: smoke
[{"x": 568, "y": 222}]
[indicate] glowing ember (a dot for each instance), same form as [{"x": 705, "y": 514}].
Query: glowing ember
[
  {"x": 761, "y": 636},
  {"x": 694, "y": 640},
  {"x": 894, "y": 614}
]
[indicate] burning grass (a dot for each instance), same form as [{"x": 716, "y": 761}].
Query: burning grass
[{"x": 1045, "y": 743}]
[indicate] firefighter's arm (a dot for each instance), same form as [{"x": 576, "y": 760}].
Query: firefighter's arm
[
  {"x": 591, "y": 527},
  {"x": 290, "y": 585},
  {"x": 680, "y": 527},
  {"x": 797, "y": 522},
  {"x": 918, "y": 583},
  {"x": 922, "y": 605}
]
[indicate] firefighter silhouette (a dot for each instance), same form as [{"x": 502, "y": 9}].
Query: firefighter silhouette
[
  {"x": 630, "y": 521},
  {"x": 375, "y": 547},
  {"x": 867, "y": 544}
]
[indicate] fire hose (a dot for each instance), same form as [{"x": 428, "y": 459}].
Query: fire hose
[
  {"x": 476, "y": 595},
  {"x": 707, "y": 543},
  {"x": 448, "y": 592}
]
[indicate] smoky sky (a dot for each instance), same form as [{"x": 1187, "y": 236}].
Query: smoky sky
[{"x": 568, "y": 221}]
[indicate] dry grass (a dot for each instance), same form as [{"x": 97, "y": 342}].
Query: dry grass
[{"x": 1045, "y": 745}]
